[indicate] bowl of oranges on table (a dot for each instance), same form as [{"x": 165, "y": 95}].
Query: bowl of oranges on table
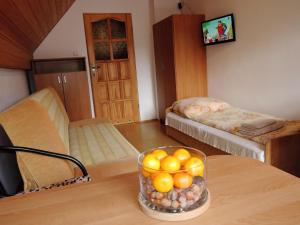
[{"x": 173, "y": 183}]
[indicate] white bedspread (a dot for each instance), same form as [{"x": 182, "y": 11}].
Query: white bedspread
[{"x": 220, "y": 139}]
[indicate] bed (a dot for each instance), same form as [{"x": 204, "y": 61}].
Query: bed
[{"x": 280, "y": 148}]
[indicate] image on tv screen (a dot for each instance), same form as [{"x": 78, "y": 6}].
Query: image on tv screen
[{"x": 218, "y": 30}]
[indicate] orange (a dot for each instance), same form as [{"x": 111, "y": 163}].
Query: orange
[
  {"x": 182, "y": 154},
  {"x": 194, "y": 166},
  {"x": 159, "y": 154},
  {"x": 145, "y": 173},
  {"x": 170, "y": 164},
  {"x": 153, "y": 175},
  {"x": 163, "y": 182},
  {"x": 151, "y": 163},
  {"x": 182, "y": 180}
]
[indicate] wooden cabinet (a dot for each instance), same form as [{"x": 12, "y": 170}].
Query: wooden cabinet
[
  {"x": 180, "y": 59},
  {"x": 50, "y": 80},
  {"x": 69, "y": 78}
]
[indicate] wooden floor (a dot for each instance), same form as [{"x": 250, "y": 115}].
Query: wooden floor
[{"x": 146, "y": 135}]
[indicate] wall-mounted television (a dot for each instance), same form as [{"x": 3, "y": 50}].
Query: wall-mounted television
[{"x": 218, "y": 30}]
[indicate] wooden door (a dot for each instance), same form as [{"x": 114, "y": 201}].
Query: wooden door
[
  {"x": 53, "y": 80},
  {"x": 112, "y": 62},
  {"x": 76, "y": 93}
]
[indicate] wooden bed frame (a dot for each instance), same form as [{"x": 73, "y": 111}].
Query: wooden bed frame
[{"x": 283, "y": 152}]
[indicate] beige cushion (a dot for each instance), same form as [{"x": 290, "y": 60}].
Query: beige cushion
[
  {"x": 28, "y": 124},
  {"x": 50, "y": 100},
  {"x": 95, "y": 142},
  {"x": 109, "y": 169}
]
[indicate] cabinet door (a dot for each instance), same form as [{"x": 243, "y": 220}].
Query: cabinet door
[
  {"x": 77, "y": 99},
  {"x": 165, "y": 65},
  {"x": 190, "y": 73},
  {"x": 53, "y": 80}
]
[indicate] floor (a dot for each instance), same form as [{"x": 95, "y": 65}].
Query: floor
[{"x": 146, "y": 135}]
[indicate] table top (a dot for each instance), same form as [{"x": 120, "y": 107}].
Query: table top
[{"x": 243, "y": 191}]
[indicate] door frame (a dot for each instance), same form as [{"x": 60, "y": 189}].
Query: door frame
[{"x": 131, "y": 54}]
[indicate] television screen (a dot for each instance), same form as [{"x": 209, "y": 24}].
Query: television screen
[{"x": 218, "y": 30}]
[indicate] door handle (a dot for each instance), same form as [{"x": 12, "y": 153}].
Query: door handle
[
  {"x": 94, "y": 69},
  {"x": 65, "y": 79},
  {"x": 58, "y": 79}
]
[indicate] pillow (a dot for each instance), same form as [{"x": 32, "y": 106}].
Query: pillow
[
  {"x": 178, "y": 106},
  {"x": 197, "y": 110},
  {"x": 198, "y": 105},
  {"x": 28, "y": 125}
]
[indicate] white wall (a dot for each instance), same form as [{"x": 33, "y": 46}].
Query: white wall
[
  {"x": 164, "y": 8},
  {"x": 67, "y": 39},
  {"x": 260, "y": 71},
  {"x": 13, "y": 87}
]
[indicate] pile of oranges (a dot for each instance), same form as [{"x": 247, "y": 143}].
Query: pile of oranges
[{"x": 168, "y": 171}]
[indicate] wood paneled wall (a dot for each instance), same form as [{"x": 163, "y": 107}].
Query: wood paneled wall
[{"x": 23, "y": 26}]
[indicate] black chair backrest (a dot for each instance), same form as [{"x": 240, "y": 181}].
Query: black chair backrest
[{"x": 10, "y": 177}]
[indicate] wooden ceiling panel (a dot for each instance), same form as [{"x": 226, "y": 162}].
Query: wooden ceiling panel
[
  {"x": 23, "y": 26},
  {"x": 12, "y": 54},
  {"x": 10, "y": 24},
  {"x": 6, "y": 34},
  {"x": 30, "y": 17}
]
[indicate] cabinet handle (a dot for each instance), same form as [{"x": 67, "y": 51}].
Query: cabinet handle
[
  {"x": 58, "y": 79},
  {"x": 65, "y": 79}
]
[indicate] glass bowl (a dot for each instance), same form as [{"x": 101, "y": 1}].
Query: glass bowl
[{"x": 169, "y": 188}]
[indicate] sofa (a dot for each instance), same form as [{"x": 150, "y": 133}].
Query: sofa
[{"x": 40, "y": 121}]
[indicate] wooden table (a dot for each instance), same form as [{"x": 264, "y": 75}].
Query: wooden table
[{"x": 244, "y": 191}]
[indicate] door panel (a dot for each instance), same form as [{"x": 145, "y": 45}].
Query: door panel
[
  {"x": 102, "y": 50},
  {"x": 53, "y": 80},
  {"x": 113, "y": 74},
  {"x": 103, "y": 110},
  {"x": 102, "y": 92},
  {"x": 128, "y": 109},
  {"x": 76, "y": 95},
  {"x": 102, "y": 73},
  {"x": 118, "y": 29},
  {"x": 115, "y": 90},
  {"x": 117, "y": 114},
  {"x": 113, "y": 71},
  {"x": 124, "y": 70},
  {"x": 120, "y": 50},
  {"x": 127, "y": 90}
]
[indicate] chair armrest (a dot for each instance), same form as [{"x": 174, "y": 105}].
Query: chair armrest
[{"x": 47, "y": 153}]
